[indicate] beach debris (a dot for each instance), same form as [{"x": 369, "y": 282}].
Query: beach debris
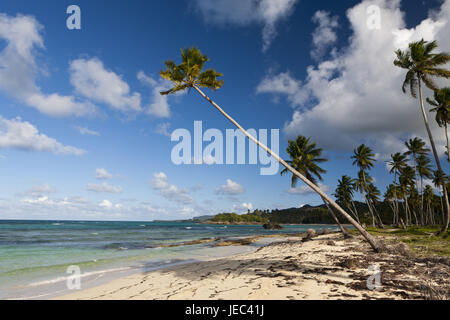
[
  {"x": 310, "y": 234},
  {"x": 236, "y": 242},
  {"x": 349, "y": 263},
  {"x": 331, "y": 243},
  {"x": 272, "y": 226}
]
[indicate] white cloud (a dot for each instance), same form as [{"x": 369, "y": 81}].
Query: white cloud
[
  {"x": 104, "y": 188},
  {"x": 243, "y": 208},
  {"x": 283, "y": 84},
  {"x": 160, "y": 181},
  {"x": 163, "y": 129},
  {"x": 355, "y": 97},
  {"x": 170, "y": 192},
  {"x": 173, "y": 193},
  {"x": 92, "y": 80},
  {"x": 59, "y": 106},
  {"x": 230, "y": 188},
  {"x": 306, "y": 190},
  {"x": 22, "y": 135},
  {"x": 102, "y": 174},
  {"x": 247, "y": 12},
  {"x": 159, "y": 106},
  {"x": 85, "y": 131},
  {"x": 19, "y": 70},
  {"x": 40, "y": 191},
  {"x": 324, "y": 35},
  {"x": 106, "y": 204}
]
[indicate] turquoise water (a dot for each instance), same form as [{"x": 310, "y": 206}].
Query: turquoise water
[{"x": 35, "y": 255}]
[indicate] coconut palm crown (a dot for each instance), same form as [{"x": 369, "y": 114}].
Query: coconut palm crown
[
  {"x": 422, "y": 64},
  {"x": 305, "y": 157},
  {"x": 190, "y": 72}
]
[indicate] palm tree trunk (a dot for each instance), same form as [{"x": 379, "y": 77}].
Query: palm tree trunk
[
  {"x": 355, "y": 212},
  {"x": 421, "y": 201},
  {"x": 448, "y": 145},
  {"x": 367, "y": 199},
  {"x": 395, "y": 195},
  {"x": 371, "y": 240},
  {"x": 407, "y": 210},
  {"x": 417, "y": 183},
  {"x": 438, "y": 162},
  {"x": 330, "y": 210},
  {"x": 381, "y": 224}
]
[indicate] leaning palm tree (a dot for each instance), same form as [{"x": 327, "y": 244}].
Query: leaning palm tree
[
  {"x": 364, "y": 159},
  {"x": 190, "y": 75},
  {"x": 441, "y": 103},
  {"x": 306, "y": 159},
  {"x": 422, "y": 65}
]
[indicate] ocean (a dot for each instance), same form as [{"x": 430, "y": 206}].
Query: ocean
[{"x": 35, "y": 255}]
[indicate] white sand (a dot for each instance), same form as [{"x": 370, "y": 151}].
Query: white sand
[{"x": 280, "y": 271}]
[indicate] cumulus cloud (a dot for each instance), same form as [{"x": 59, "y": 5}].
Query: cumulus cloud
[
  {"x": 92, "y": 80},
  {"x": 266, "y": 13},
  {"x": 176, "y": 194},
  {"x": 160, "y": 181},
  {"x": 283, "y": 84},
  {"x": 19, "y": 70},
  {"x": 86, "y": 131},
  {"x": 39, "y": 191},
  {"x": 159, "y": 106},
  {"x": 102, "y": 174},
  {"x": 243, "y": 208},
  {"x": 22, "y": 135},
  {"x": 170, "y": 192},
  {"x": 325, "y": 33},
  {"x": 355, "y": 97},
  {"x": 106, "y": 204},
  {"x": 231, "y": 188},
  {"x": 104, "y": 188}
]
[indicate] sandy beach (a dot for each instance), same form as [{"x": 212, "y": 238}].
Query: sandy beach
[{"x": 328, "y": 267}]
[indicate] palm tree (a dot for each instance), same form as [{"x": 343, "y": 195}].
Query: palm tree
[
  {"x": 373, "y": 195},
  {"x": 428, "y": 196},
  {"x": 391, "y": 196},
  {"x": 407, "y": 181},
  {"x": 305, "y": 158},
  {"x": 422, "y": 65},
  {"x": 344, "y": 194},
  {"x": 424, "y": 170},
  {"x": 364, "y": 159},
  {"x": 442, "y": 108},
  {"x": 439, "y": 180},
  {"x": 416, "y": 147},
  {"x": 397, "y": 164},
  {"x": 189, "y": 74}
]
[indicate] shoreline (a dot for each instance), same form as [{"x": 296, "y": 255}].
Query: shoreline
[{"x": 328, "y": 267}]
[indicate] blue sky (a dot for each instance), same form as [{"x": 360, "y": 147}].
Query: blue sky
[{"x": 84, "y": 135}]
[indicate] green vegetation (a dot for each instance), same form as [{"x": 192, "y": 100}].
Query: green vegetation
[
  {"x": 236, "y": 218},
  {"x": 422, "y": 240}
]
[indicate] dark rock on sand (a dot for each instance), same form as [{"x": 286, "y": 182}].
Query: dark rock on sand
[{"x": 272, "y": 226}]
